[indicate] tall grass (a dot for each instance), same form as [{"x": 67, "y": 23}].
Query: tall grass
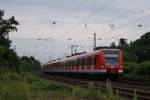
[
  {"x": 27, "y": 86},
  {"x": 135, "y": 95},
  {"x": 15, "y": 91},
  {"x": 94, "y": 93}
]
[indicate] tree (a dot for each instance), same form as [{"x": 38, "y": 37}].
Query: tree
[
  {"x": 113, "y": 45},
  {"x": 29, "y": 64},
  {"x": 8, "y": 57},
  {"x": 144, "y": 40},
  {"x": 141, "y": 47},
  {"x": 6, "y": 26},
  {"x": 123, "y": 43}
]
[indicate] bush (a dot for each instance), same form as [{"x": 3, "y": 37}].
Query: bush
[
  {"x": 29, "y": 64},
  {"x": 144, "y": 68},
  {"x": 94, "y": 93},
  {"x": 7, "y": 77},
  {"x": 127, "y": 56},
  {"x": 15, "y": 91},
  {"x": 131, "y": 67},
  {"x": 137, "y": 69},
  {"x": 90, "y": 93}
]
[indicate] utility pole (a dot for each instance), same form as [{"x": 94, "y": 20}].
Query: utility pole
[
  {"x": 94, "y": 43},
  {"x": 73, "y": 49}
]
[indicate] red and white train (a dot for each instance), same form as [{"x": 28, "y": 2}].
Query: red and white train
[{"x": 102, "y": 61}]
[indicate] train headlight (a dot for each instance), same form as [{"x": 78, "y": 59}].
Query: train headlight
[{"x": 102, "y": 66}]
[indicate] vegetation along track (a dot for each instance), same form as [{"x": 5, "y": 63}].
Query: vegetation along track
[{"x": 125, "y": 88}]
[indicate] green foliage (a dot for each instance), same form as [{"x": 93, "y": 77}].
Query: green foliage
[
  {"x": 144, "y": 68},
  {"x": 144, "y": 40},
  {"x": 13, "y": 86},
  {"x": 29, "y": 64},
  {"x": 91, "y": 93},
  {"x": 123, "y": 43},
  {"x": 39, "y": 85},
  {"x": 5, "y": 42},
  {"x": 142, "y": 52},
  {"x": 140, "y": 69},
  {"x": 113, "y": 45},
  {"x": 94, "y": 93},
  {"x": 8, "y": 57},
  {"x": 15, "y": 91},
  {"x": 7, "y": 25},
  {"x": 141, "y": 47},
  {"x": 27, "y": 86},
  {"x": 135, "y": 95},
  {"x": 137, "y": 56},
  {"x": 137, "y": 51},
  {"x": 127, "y": 56},
  {"x": 131, "y": 67}
]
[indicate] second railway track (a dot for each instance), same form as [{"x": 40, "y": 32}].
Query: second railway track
[{"x": 125, "y": 88}]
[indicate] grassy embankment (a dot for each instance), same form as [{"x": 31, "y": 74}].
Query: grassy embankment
[
  {"x": 136, "y": 70},
  {"x": 27, "y": 86}
]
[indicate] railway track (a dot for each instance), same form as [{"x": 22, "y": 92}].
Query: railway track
[{"x": 125, "y": 88}]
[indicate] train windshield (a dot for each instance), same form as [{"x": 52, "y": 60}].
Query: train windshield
[{"x": 111, "y": 56}]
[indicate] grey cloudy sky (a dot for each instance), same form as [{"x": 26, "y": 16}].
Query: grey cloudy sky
[{"x": 75, "y": 19}]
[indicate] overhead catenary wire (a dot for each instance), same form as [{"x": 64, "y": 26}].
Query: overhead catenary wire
[
  {"x": 93, "y": 13},
  {"x": 102, "y": 7},
  {"x": 98, "y": 10},
  {"x": 121, "y": 26},
  {"x": 127, "y": 24}
]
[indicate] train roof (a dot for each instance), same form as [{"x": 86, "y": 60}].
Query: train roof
[
  {"x": 75, "y": 56},
  {"x": 95, "y": 52},
  {"x": 105, "y": 47}
]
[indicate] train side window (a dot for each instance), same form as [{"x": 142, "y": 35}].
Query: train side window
[
  {"x": 95, "y": 57},
  {"x": 72, "y": 62},
  {"x": 92, "y": 59},
  {"x": 66, "y": 64},
  {"x": 77, "y": 63},
  {"x": 69, "y": 64},
  {"x": 89, "y": 60},
  {"x": 83, "y": 61},
  {"x": 80, "y": 61},
  {"x": 86, "y": 61},
  {"x": 62, "y": 64}
]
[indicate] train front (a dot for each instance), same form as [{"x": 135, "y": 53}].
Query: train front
[{"x": 112, "y": 59}]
